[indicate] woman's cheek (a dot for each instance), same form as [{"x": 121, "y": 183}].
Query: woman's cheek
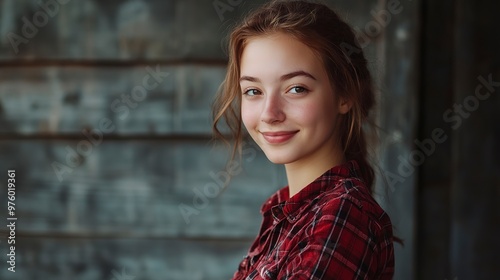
[
  {"x": 248, "y": 116},
  {"x": 305, "y": 113}
]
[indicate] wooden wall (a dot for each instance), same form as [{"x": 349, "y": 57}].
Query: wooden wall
[{"x": 141, "y": 200}]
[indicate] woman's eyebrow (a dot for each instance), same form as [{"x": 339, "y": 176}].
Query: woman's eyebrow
[
  {"x": 295, "y": 74},
  {"x": 282, "y": 78},
  {"x": 250, "y": 79}
]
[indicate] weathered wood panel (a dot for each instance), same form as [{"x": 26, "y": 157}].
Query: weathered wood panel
[
  {"x": 133, "y": 188},
  {"x": 475, "y": 196},
  {"x": 129, "y": 30},
  {"x": 137, "y": 188},
  {"x": 124, "y": 30},
  {"x": 145, "y": 100},
  {"x": 42, "y": 258}
]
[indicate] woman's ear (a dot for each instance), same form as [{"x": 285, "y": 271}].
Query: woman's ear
[{"x": 344, "y": 105}]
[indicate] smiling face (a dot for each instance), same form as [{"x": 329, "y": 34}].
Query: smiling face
[{"x": 288, "y": 105}]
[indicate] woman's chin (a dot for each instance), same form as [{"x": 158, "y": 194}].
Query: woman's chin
[{"x": 278, "y": 159}]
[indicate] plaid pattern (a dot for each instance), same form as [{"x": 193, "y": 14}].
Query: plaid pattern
[{"x": 331, "y": 229}]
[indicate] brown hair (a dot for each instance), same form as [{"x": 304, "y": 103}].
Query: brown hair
[{"x": 329, "y": 36}]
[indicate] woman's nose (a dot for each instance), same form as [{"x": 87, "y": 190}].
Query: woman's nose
[{"x": 273, "y": 109}]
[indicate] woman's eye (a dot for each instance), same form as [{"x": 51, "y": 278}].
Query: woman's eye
[
  {"x": 251, "y": 92},
  {"x": 298, "y": 90}
]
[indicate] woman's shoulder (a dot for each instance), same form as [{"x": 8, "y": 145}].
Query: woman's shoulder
[{"x": 351, "y": 198}]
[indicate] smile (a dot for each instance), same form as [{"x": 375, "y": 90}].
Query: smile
[{"x": 279, "y": 136}]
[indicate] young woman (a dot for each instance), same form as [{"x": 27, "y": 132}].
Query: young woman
[{"x": 302, "y": 90}]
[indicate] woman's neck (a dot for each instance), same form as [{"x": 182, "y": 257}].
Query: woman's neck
[{"x": 301, "y": 173}]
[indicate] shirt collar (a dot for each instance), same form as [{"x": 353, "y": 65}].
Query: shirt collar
[{"x": 281, "y": 205}]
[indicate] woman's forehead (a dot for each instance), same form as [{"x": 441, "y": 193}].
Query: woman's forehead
[{"x": 278, "y": 54}]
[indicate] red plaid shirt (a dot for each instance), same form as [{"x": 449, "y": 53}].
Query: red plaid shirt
[{"x": 331, "y": 229}]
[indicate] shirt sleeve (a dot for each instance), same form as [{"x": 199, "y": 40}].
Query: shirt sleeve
[{"x": 343, "y": 243}]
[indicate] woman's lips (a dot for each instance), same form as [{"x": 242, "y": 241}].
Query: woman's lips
[{"x": 279, "y": 136}]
